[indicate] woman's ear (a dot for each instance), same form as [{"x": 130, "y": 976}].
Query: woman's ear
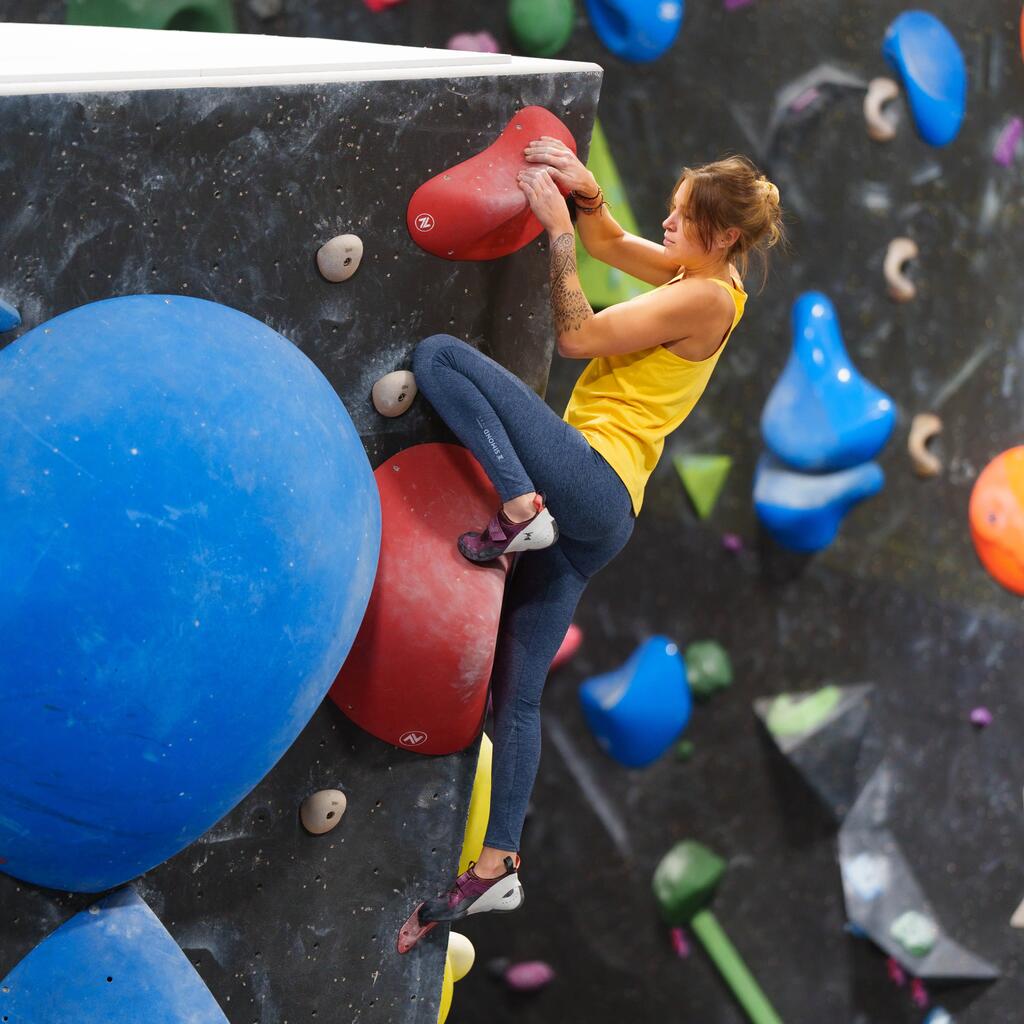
[{"x": 728, "y": 238}]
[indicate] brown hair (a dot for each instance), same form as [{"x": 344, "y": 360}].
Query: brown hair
[{"x": 732, "y": 193}]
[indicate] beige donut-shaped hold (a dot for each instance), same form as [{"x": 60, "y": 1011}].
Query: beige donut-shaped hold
[
  {"x": 900, "y": 251},
  {"x": 321, "y": 811},
  {"x": 880, "y": 91},
  {"x": 394, "y": 392},
  {"x": 923, "y": 428},
  {"x": 339, "y": 258},
  {"x": 461, "y": 953}
]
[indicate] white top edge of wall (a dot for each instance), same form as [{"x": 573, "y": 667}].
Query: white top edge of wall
[{"x": 82, "y": 58}]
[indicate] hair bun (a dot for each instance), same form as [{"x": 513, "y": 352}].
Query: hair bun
[{"x": 768, "y": 190}]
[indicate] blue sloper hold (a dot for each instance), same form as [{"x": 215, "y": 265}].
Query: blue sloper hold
[
  {"x": 638, "y": 710},
  {"x": 114, "y": 962},
  {"x": 9, "y": 317},
  {"x": 802, "y": 511},
  {"x": 822, "y": 415},
  {"x": 636, "y": 30},
  {"x": 883, "y": 897},
  {"x": 926, "y": 55}
]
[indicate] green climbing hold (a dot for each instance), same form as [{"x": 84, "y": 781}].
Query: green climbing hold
[
  {"x": 685, "y": 880},
  {"x": 915, "y": 932},
  {"x": 684, "y": 750},
  {"x": 178, "y": 15},
  {"x": 703, "y": 477},
  {"x": 603, "y": 285},
  {"x": 792, "y": 715},
  {"x": 541, "y": 27},
  {"x": 708, "y": 668}
]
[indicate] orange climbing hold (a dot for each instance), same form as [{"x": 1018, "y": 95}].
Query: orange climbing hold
[
  {"x": 476, "y": 210},
  {"x": 418, "y": 673},
  {"x": 997, "y": 518}
]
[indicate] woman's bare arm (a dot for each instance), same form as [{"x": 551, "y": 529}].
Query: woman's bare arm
[{"x": 605, "y": 240}]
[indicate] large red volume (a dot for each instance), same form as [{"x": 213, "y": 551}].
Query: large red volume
[
  {"x": 476, "y": 210},
  {"x": 418, "y": 673}
]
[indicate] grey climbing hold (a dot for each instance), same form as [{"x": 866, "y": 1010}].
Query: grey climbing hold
[
  {"x": 266, "y": 8},
  {"x": 394, "y": 392},
  {"x": 321, "y": 811},
  {"x": 339, "y": 258}
]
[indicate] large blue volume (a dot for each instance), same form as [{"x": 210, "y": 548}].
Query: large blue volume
[
  {"x": 636, "y": 30},
  {"x": 803, "y": 511},
  {"x": 113, "y": 963},
  {"x": 636, "y": 711},
  {"x": 926, "y": 56},
  {"x": 822, "y": 415},
  {"x": 189, "y": 531}
]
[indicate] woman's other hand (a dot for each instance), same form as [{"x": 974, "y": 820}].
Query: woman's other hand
[
  {"x": 564, "y": 166},
  {"x": 545, "y": 200}
]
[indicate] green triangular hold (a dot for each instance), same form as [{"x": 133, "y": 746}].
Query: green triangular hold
[
  {"x": 703, "y": 477},
  {"x": 603, "y": 285}
]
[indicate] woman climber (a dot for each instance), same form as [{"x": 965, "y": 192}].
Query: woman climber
[{"x": 572, "y": 486}]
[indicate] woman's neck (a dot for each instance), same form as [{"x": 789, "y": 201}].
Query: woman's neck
[{"x": 712, "y": 268}]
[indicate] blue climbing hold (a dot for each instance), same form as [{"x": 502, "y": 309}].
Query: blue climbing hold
[
  {"x": 189, "y": 535},
  {"x": 802, "y": 511},
  {"x": 822, "y": 415},
  {"x": 927, "y": 57},
  {"x": 9, "y": 317},
  {"x": 114, "y": 962},
  {"x": 638, "y": 710},
  {"x": 636, "y": 30}
]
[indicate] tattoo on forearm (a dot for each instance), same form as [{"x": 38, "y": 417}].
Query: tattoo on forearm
[{"x": 568, "y": 303}]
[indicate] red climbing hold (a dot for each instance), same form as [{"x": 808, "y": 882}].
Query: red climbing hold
[
  {"x": 380, "y": 5},
  {"x": 418, "y": 673},
  {"x": 476, "y": 210}
]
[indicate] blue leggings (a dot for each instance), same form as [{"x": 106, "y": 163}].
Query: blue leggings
[{"x": 524, "y": 446}]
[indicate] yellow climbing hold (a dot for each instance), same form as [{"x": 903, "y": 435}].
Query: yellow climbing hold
[{"x": 479, "y": 806}]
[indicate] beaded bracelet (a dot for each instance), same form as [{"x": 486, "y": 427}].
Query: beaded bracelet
[{"x": 589, "y": 209}]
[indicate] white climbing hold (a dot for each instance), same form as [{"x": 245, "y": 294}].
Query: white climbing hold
[
  {"x": 923, "y": 428},
  {"x": 394, "y": 392},
  {"x": 462, "y": 955},
  {"x": 900, "y": 251},
  {"x": 1017, "y": 921},
  {"x": 339, "y": 258},
  {"x": 881, "y": 127},
  {"x": 321, "y": 811}
]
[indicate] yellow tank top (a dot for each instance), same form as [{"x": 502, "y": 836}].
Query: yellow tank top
[{"x": 625, "y": 405}]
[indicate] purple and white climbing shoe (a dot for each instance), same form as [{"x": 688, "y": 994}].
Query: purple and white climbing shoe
[
  {"x": 469, "y": 894},
  {"x": 503, "y": 537}
]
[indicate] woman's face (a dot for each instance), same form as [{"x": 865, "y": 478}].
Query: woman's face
[{"x": 681, "y": 242}]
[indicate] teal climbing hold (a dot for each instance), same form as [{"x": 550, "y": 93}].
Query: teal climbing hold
[
  {"x": 541, "y": 28},
  {"x": 638, "y": 710},
  {"x": 177, "y": 15},
  {"x": 927, "y": 57},
  {"x": 9, "y": 317},
  {"x": 822, "y": 415},
  {"x": 803, "y": 511}
]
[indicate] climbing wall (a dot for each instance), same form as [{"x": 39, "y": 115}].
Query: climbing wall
[
  {"x": 899, "y": 600},
  {"x": 226, "y": 195}
]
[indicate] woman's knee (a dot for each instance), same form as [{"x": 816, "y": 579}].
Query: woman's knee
[{"x": 428, "y": 349}]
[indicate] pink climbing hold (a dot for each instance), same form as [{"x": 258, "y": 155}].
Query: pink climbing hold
[
  {"x": 529, "y": 976},
  {"x": 570, "y": 645},
  {"x": 1006, "y": 144},
  {"x": 896, "y": 973},
  {"x": 679, "y": 943},
  {"x": 918, "y": 994},
  {"x": 474, "y": 42},
  {"x": 380, "y": 5},
  {"x": 981, "y": 717},
  {"x": 732, "y": 542}
]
